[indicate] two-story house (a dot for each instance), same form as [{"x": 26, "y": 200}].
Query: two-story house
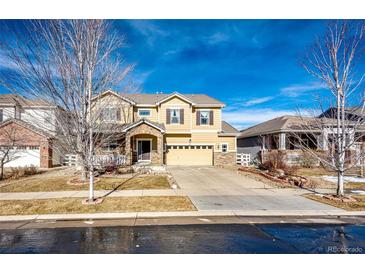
[
  {"x": 29, "y": 126},
  {"x": 171, "y": 129}
]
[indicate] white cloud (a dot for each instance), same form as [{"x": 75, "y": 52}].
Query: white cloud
[
  {"x": 217, "y": 38},
  {"x": 298, "y": 90},
  {"x": 257, "y": 101},
  {"x": 149, "y": 29},
  {"x": 244, "y": 118}
]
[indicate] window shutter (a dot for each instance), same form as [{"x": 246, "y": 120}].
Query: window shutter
[
  {"x": 198, "y": 118},
  {"x": 181, "y": 116},
  {"x": 168, "y": 116},
  {"x": 211, "y": 122},
  {"x": 118, "y": 114},
  {"x": 1, "y": 115}
]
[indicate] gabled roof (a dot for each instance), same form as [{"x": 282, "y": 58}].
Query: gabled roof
[
  {"x": 173, "y": 95},
  {"x": 228, "y": 130},
  {"x": 157, "y": 98},
  {"x": 155, "y": 125},
  {"x": 26, "y": 125},
  {"x": 15, "y": 99},
  {"x": 287, "y": 123},
  {"x": 119, "y": 95}
]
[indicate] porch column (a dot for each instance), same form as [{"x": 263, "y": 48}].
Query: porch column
[
  {"x": 322, "y": 141},
  {"x": 263, "y": 142},
  {"x": 160, "y": 148},
  {"x": 282, "y": 139},
  {"x": 128, "y": 154}
]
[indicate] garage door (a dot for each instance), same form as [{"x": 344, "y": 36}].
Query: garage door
[
  {"x": 24, "y": 156},
  {"x": 189, "y": 155}
]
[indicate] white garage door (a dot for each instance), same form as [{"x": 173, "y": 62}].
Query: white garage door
[
  {"x": 24, "y": 156},
  {"x": 189, "y": 155}
]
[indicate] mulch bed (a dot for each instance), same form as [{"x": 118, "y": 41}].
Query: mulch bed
[
  {"x": 286, "y": 180},
  {"x": 78, "y": 181}
]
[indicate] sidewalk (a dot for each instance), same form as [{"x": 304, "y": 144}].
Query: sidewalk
[{"x": 85, "y": 194}]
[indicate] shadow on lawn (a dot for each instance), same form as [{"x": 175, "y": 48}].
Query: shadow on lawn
[{"x": 120, "y": 185}]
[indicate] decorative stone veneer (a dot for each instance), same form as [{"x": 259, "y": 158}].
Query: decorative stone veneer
[
  {"x": 224, "y": 158},
  {"x": 144, "y": 129}
]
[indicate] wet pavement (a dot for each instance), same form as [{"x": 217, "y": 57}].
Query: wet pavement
[{"x": 213, "y": 238}]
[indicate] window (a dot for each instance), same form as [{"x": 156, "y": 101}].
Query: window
[
  {"x": 204, "y": 117},
  {"x": 109, "y": 114},
  {"x": 175, "y": 116},
  {"x": 144, "y": 112},
  {"x": 224, "y": 147},
  {"x": 110, "y": 146}
]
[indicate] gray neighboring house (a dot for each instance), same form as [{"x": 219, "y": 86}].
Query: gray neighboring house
[{"x": 280, "y": 134}]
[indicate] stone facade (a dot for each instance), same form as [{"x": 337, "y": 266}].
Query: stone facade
[
  {"x": 144, "y": 130},
  {"x": 18, "y": 135},
  {"x": 224, "y": 158}
]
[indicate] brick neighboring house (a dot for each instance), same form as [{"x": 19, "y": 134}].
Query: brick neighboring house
[
  {"x": 34, "y": 123},
  {"x": 171, "y": 129}
]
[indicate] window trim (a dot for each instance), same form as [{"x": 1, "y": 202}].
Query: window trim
[
  {"x": 144, "y": 109},
  {"x": 226, "y": 144},
  {"x": 208, "y": 117},
  {"x": 178, "y": 116}
]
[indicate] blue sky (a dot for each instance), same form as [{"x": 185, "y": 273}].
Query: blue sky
[{"x": 251, "y": 65}]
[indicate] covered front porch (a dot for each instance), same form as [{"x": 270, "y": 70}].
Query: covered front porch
[{"x": 144, "y": 143}]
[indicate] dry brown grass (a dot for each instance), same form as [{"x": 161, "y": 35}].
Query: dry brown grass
[
  {"x": 73, "y": 205},
  {"x": 359, "y": 205},
  {"x": 315, "y": 171},
  {"x": 39, "y": 183}
]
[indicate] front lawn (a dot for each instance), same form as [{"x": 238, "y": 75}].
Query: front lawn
[
  {"x": 357, "y": 205},
  {"x": 73, "y": 205},
  {"x": 45, "y": 183}
]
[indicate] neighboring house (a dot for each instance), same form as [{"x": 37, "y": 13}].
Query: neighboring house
[
  {"x": 36, "y": 122},
  {"x": 171, "y": 129},
  {"x": 282, "y": 134}
]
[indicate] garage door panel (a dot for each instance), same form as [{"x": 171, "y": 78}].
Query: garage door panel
[{"x": 189, "y": 155}]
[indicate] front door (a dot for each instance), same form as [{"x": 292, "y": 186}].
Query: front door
[{"x": 144, "y": 150}]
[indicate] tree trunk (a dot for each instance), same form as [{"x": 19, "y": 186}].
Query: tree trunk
[
  {"x": 91, "y": 186},
  {"x": 340, "y": 191},
  {"x": 1, "y": 171}
]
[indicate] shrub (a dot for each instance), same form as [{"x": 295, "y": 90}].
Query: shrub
[
  {"x": 274, "y": 161},
  {"x": 17, "y": 172}
]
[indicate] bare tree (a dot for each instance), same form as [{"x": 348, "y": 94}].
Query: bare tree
[
  {"x": 333, "y": 60},
  {"x": 68, "y": 63},
  {"x": 10, "y": 137}
]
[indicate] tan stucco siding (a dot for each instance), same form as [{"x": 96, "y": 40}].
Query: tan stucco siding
[
  {"x": 110, "y": 100},
  {"x": 230, "y": 140},
  {"x": 217, "y": 119},
  {"x": 176, "y": 102},
  {"x": 202, "y": 139},
  {"x": 177, "y": 138},
  {"x": 152, "y": 117}
]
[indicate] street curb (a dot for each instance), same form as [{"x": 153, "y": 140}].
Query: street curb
[{"x": 203, "y": 213}]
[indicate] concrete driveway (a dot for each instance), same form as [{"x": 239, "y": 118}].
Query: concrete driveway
[{"x": 212, "y": 188}]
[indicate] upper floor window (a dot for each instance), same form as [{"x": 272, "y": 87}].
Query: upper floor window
[
  {"x": 109, "y": 114},
  {"x": 224, "y": 147},
  {"x": 204, "y": 117},
  {"x": 175, "y": 116},
  {"x": 144, "y": 112}
]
